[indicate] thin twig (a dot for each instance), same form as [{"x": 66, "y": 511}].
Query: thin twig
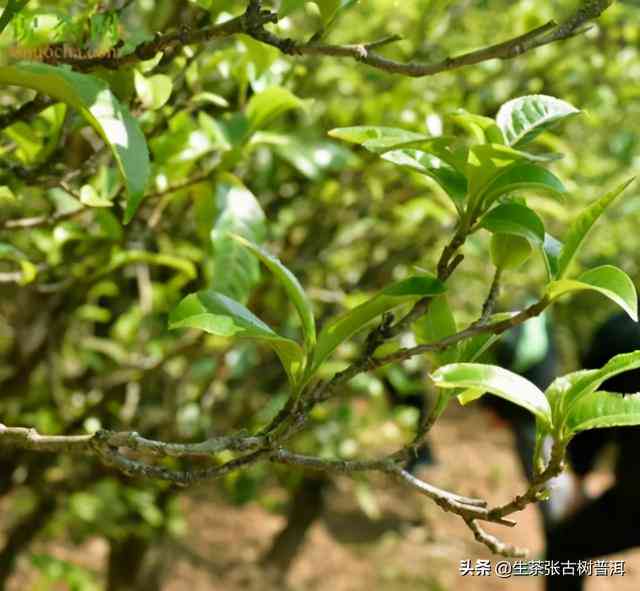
[
  {"x": 254, "y": 19},
  {"x": 54, "y": 218},
  {"x": 493, "y": 543},
  {"x": 25, "y": 112}
]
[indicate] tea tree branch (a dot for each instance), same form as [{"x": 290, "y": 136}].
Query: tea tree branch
[{"x": 254, "y": 19}]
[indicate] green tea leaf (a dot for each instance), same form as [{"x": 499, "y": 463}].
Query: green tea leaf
[
  {"x": 604, "y": 409},
  {"x": 522, "y": 177},
  {"x": 153, "y": 91},
  {"x": 516, "y": 219},
  {"x": 402, "y": 292},
  {"x": 292, "y": 287},
  {"x": 498, "y": 381},
  {"x": 328, "y": 9},
  {"x": 524, "y": 118},
  {"x": 219, "y": 315},
  {"x": 435, "y": 325},
  {"x": 121, "y": 258},
  {"x": 376, "y": 136},
  {"x": 102, "y": 110},
  {"x": 452, "y": 182},
  {"x": 235, "y": 271},
  {"x": 12, "y": 8},
  {"x": 567, "y": 391},
  {"x": 484, "y": 129},
  {"x": 484, "y": 164},
  {"x": 608, "y": 280},
  {"x": 551, "y": 251},
  {"x": 29, "y": 270},
  {"x": 582, "y": 225},
  {"x": 269, "y": 104}
]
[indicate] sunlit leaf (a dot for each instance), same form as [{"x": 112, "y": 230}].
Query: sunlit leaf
[
  {"x": 484, "y": 129},
  {"x": 217, "y": 314},
  {"x": 604, "y": 409},
  {"x": 384, "y": 137},
  {"x": 581, "y": 226},
  {"x": 495, "y": 380},
  {"x": 484, "y": 163},
  {"x": 551, "y": 251},
  {"x": 402, "y": 292},
  {"x": 608, "y": 280},
  {"x": 291, "y": 285},
  {"x": 122, "y": 258},
  {"x": 153, "y": 91},
  {"x": 435, "y": 325},
  {"x": 28, "y": 269},
  {"x": 89, "y": 196},
  {"x": 451, "y": 181},
  {"x": 524, "y": 118},
  {"x": 12, "y": 8},
  {"x": 269, "y": 104},
  {"x": 235, "y": 270},
  {"x": 566, "y": 392},
  {"x": 95, "y": 102},
  {"x": 522, "y": 177},
  {"x": 516, "y": 219}
]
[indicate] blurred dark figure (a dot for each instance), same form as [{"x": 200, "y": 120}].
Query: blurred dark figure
[
  {"x": 530, "y": 350},
  {"x": 611, "y": 522}
]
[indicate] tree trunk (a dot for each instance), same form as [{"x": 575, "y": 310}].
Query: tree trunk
[
  {"x": 22, "y": 534},
  {"x": 126, "y": 565},
  {"x": 307, "y": 505}
]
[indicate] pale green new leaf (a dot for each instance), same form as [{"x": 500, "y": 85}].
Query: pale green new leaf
[
  {"x": 470, "y": 395},
  {"x": 427, "y": 155},
  {"x": 524, "y": 118},
  {"x": 12, "y": 8},
  {"x": 328, "y": 9},
  {"x": 484, "y": 163},
  {"x": 153, "y": 91},
  {"x": 236, "y": 271},
  {"x": 291, "y": 285},
  {"x": 581, "y": 226},
  {"x": 604, "y": 409},
  {"x": 29, "y": 270},
  {"x": 566, "y": 392},
  {"x": 515, "y": 219},
  {"x": 551, "y": 251},
  {"x": 452, "y": 182},
  {"x": 497, "y": 381},
  {"x": 269, "y": 104},
  {"x": 374, "y": 136},
  {"x": 122, "y": 258},
  {"x": 102, "y": 110},
  {"x": 435, "y": 325},
  {"x": 289, "y": 6},
  {"x": 345, "y": 326},
  {"x": 608, "y": 280},
  {"x": 219, "y": 315},
  {"x": 523, "y": 177},
  {"x": 484, "y": 129}
]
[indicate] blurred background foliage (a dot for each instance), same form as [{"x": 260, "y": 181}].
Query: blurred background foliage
[{"x": 84, "y": 299}]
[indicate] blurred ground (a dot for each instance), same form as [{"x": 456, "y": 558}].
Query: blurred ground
[{"x": 412, "y": 546}]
